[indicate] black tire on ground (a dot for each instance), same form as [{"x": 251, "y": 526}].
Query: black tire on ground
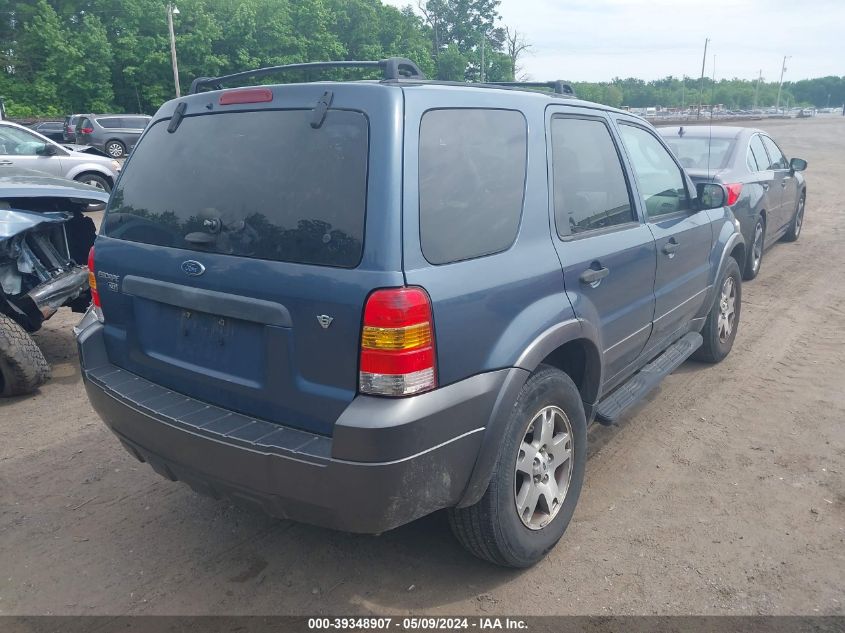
[
  {"x": 22, "y": 365},
  {"x": 716, "y": 345},
  {"x": 492, "y": 529},
  {"x": 95, "y": 180},
  {"x": 797, "y": 223},
  {"x": 749, "y": 271},
  {"x": 115, "y": 149}
]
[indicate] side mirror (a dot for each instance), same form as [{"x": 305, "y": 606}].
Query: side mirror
[
  {"x": 798, "y": 164},
  {"x": 46, "y": 149},
  {"x": 711, "y": 195}
]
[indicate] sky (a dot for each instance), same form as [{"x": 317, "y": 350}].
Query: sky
[{"x": 597, "y": 40}]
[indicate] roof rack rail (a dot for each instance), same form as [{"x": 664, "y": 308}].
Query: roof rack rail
[
  {"x": 559, "y": 87},
  {"x": 392, "y": 68}
]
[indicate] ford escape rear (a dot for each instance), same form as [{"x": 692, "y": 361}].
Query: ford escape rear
[{"x": 356, "y": 303}]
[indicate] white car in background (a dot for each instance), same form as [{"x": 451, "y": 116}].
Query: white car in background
[{"x": 23, "y": 147}]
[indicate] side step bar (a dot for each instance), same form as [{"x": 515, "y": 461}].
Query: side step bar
[{"x": 640, "y": 384}]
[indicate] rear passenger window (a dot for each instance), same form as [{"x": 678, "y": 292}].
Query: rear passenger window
[
  {"x": 759, "y": 153},
  {"x": 471, "y": 182},
  {"x": 750, "y": 161},
  {"x": 776, "y": 158},
  {"x": 660, "y": 180},
  {"x": 110, "y": 123},
  {"x": 590, "y": 191}
]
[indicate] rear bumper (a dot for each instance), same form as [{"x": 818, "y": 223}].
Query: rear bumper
[{"x": 389, "y": 461}]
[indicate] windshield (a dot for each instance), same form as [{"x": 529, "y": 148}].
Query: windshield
[
  {"x": 692, "y": 151},
  {"x": 254, "y": 184}
]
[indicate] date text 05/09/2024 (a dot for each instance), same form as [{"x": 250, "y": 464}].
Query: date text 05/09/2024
[{"x": 417, "y": 624}]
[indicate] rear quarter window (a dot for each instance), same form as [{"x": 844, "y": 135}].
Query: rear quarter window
[
  {"x": 111, "y": 123},
  {"x": 471, "y": 182},
  {"x": 251, "y": 184}
]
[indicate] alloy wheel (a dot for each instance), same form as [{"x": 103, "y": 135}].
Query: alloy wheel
[
  {"x": 799, "y": 217},
  {"x": 757, "y": 247},
  {"x": 543, "y": 467},
  {"x": 727, "y": 310}
]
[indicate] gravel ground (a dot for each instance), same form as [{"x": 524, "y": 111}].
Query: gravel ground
[{"x": 723, "y": 494}]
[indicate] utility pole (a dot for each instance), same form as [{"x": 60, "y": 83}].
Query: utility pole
[
  {"x": 171, "y": 11},
  {"x": 780, "y": 85},
  {"x": 701, "y": 81},
  {"x": 757, "y": 89},
  {"x": 482, "y": 57}
]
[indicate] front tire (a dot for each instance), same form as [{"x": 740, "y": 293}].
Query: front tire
[
  {"x": 537, "y": 477},
  {"x": 755, "y": 253},
  {"x": 722, "y": 323},
  {"x": 95, "y": 180},
  {"x": 23, "y": 367},
  {"x": 797, "y": 223}
]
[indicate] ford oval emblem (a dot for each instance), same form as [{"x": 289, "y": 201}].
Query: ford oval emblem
[{"x": 193, "y": 268}]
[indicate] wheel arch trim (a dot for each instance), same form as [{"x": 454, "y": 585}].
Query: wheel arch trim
[
  {"x": 538, "y": 350},
  {"x": 733, "y": 241}
]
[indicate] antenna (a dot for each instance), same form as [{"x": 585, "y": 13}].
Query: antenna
[
  {"x": 701, "y": 81},
  {"x": 710, "y": 129}
]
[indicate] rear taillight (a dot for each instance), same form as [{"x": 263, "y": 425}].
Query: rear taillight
[
  {"x": 92, "y": 284},
  {"x": 87, "y": 130},
  {"x": 397, "y": 343},
  {"x": 733, "y": 193}
]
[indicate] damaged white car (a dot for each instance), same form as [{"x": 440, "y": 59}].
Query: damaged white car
[{"x": 45, "y": 237}]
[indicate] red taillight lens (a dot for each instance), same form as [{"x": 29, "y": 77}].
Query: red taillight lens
[
  {"x": 733, "y": 193},
  {"x": 87, "y": 130},
  {"x": 397, "y": 343},
  {"x": 246, "y": 95},
  {"x": 92, "y": 279}
]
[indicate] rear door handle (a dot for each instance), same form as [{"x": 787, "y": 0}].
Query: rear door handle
[
  {"x": 783, "y": 184},
  {"x": 765, "y": 186},
  {"x": 670, "y": 247},
  {"x": 593, "y": 276},
  {"x": 5, "y": 162}
]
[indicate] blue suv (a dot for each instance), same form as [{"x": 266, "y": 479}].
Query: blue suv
[{"x": 355, "y": 303}]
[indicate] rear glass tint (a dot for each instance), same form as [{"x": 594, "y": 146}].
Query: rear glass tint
[
  {"x": 472, "y": 180},
  {"x": 253, "y": 184},
  {"x": 696, "y": 152},
  {"x": 135, "y": 123}
]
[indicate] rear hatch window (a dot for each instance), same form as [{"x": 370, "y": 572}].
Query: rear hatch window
[{"x": 260, "y": 184}]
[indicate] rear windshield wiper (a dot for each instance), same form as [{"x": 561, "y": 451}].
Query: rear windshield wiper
[
  {"x": 176, "y": 119},
  {"x": 319, "y": 112}
]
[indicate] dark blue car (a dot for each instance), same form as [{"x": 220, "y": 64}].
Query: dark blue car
[{"x": 356, "y": 303}]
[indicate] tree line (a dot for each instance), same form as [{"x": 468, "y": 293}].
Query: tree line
[
  {"x": 734, "y": 94},
  {"x": 62, "y": 56}
]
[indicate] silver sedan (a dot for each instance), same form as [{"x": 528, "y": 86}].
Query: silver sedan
[{"x": 22, "y": 147}]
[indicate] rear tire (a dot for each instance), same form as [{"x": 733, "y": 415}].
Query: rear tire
[
  {"x": 722, "y": 323},
  {"x": 115, "y": 149},
  {"x": 497, "y": 528},
  {"x": 797, "y": 223},
  {"x": 755, "y": 252},
  {"x": 23, "y": 367}
]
